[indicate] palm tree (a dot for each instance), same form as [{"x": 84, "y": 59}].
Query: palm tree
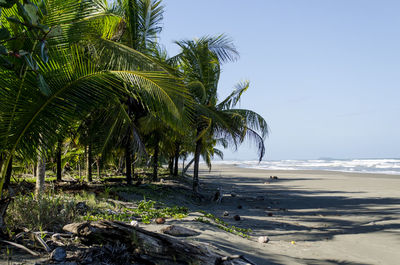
[
  {"x": 134, "y": 24},
  {"x": 201, "y": 65},
  {"x": 77, "y": 81}
]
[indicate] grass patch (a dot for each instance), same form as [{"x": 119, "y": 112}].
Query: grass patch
[
  {"x": 211, "y": 219},
  {"x": 145, "y": 212},
  {"x": 48, "y": 212}
]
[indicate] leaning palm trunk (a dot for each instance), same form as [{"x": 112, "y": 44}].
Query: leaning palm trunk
[
  {"x": 8, "y": 174},
  {"x": 196, "y": 166},
  {"x": 187, "y": 166},
  {"x": 41, "y": 174}
]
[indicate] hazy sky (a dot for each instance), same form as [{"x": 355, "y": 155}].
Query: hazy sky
[{"x": 325, "y": 74}]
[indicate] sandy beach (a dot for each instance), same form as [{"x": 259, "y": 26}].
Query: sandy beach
[{"x": 318, "y": 217}]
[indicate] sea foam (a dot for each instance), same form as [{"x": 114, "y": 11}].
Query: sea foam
[{"x": 381, "y": 166}]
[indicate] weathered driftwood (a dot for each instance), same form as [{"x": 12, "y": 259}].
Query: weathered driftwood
[
  {"x": 33, "y": 253},
  {"x": 154, "y": 247}
]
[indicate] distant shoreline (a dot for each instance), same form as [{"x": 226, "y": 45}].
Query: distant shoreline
[{"x": 387, "y": 166}]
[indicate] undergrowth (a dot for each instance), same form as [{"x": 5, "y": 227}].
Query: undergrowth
[
  {"x": 52, "y": 211},
  {"x": 211, "y": 219},
  {"x": 144, "y": 212},
  {"x": 47, "y": 212}
]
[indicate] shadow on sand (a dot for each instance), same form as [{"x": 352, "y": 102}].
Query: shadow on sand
[{"x": 323, "y": 212}]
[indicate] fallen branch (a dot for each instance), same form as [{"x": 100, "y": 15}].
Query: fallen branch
[
  {"x": 41, "y": 241},
  {"x": 33, "y": 253}
]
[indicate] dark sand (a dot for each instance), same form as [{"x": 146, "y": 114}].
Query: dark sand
[{"x": 318, "y": 217}]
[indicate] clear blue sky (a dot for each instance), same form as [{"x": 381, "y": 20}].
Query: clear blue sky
[{"x": 325, "y": 74}]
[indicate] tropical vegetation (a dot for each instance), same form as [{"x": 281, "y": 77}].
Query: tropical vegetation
[{"x": 86, "y": 83}]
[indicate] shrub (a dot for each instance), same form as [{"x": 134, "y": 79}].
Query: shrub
[{"x": 47, "y": 212}]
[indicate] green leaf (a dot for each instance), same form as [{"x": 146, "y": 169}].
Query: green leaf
[
  {"x": 44, "y": 52},
  {"x": 55, "y": 32},
  {"x": 14, "y": 20},
  {"x": 29, "y": 61},
  {"x": 3, "y": 50},
  {"x": 4, "y": 34},
  {"x": 44, "y": 87},
  {"x": 32, "y": 11},
  {"x": 7, "y": 3},
  {"x": 44, "y": 28}
]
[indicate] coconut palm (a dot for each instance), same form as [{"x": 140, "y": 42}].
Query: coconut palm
[
  {"x": 134, "y": 24},
  {"x": 77, "y": 81},
  {"x": 200, "y": 61}
]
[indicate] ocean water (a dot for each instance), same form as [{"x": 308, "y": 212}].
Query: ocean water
[{"x": 381, "y": 166}]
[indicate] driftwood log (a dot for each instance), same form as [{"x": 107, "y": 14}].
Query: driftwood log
[{"x": 151, "y": 247}]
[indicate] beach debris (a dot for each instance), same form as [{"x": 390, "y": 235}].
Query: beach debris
[
  {"x": 33, "y": 253},
  {"x": 275, "y": 177},
  {"x": 218, "y": 196},
  {"x": 239, "y": 207},
  {"x": 179, "y": 231},
  {"x": 233, "y": 194},
  {"x": 81, "y": 208},
  {"x": 109, "y": 211},
  {"x": 263, "y": 239},
  {"x": 293, "y": 243},
  {"x": 113, "y": 239},
  {"x": 232, "y": 260},
  {"x": 267, "y": 182},
  {"x": 162, "y": 181},
  {"x": 226, "y": 213},
  {"x": 270, "y": 214},
  {"x": 134, "y": 223},
  {"x": 59, "y": 254},
  {"x": 236, "y": 217},
  {"x": 160, "y": 220}
]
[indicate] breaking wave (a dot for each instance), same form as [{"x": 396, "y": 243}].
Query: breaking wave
[{"x": 382, "y": 166}]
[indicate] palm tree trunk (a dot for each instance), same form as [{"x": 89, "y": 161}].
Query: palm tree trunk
[
  {"x": 187, "y": 166},
  {"x": 41, "y": 174},
  {"x": 128, "y": 163},
  {"x": 196, "y": 166},
  {"x": 133, "y": 166},
  {"x": 176, "y": 159},
  {"x": 58, "y": 158},
  {"x": 4, "y": 202},
  {"x": 171, "y": 165},
  {"x": 89, "y": 163},
  {"x": 34, "y": 170},
  {"x": 7, "y": 179},
  {"x": 155, "y": 161},
  {"x": 120, "y": 165},
  {"x": 98, "y": 166}
]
